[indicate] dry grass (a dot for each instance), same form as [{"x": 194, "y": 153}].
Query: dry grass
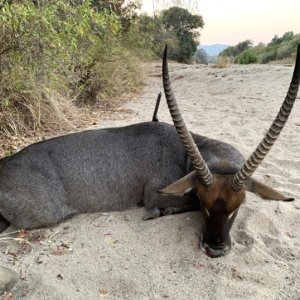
[
  {"x": 109, "y": 79},
  {"x": 222, "y": 62},
  {"x": 289, "y": 62},
  {"x": 39, "y": 113},
  {"x": 60, "y": 116}
]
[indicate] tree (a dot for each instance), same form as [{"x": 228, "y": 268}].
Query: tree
[
  {"x": 236, "y": 50},
  {"x": 152, "y": 31},
  {"x": 126, "y": 10},
  {"x": 181, "y": 21},
  {"x": 201, "y": 57},
  {"x": 184, "y": 26},
  {"x": 288, "y": 36}
]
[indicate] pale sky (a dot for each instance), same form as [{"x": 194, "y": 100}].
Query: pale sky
[{"x": 233, "y": 21}]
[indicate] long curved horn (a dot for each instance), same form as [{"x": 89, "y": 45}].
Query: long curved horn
[
  {"x": 265, "y": 145},
  {"x": 190, "y": 147}
]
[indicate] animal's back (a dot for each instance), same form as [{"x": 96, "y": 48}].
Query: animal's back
[{"x": 95, "y": 170}]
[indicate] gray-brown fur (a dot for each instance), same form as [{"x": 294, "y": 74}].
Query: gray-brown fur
[{"x": 101, "y": 170}]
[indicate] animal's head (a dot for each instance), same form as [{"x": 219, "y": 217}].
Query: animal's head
[{"x": 220, "y": 196}]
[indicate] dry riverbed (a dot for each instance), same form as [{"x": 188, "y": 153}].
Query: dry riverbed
[{"x": 118, "y": 256}]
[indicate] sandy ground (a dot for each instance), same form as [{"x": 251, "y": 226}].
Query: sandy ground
[{"x": 118, "y": 256}]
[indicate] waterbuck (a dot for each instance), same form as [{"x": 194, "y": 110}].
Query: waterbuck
[{"x": 118, "y": 168}]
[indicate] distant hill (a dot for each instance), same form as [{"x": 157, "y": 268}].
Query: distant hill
[{"x": 213, "y": 50}]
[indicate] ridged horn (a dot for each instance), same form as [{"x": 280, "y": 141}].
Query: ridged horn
[
  {"x": 186, "y": 138},
  {"x": 265, "y": 145}
]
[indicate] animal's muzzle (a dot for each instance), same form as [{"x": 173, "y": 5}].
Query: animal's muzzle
[{"x": 214, "y": 251}]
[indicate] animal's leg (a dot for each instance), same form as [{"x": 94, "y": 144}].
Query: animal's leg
[
  {"x": 156, "y": 212},
  {"x": 152, "y": 213},
  {"x": 158, "y": 205}
]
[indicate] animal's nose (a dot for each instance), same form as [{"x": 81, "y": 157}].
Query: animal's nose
[
  {"x": 219, "y": 245},
  {"x": 213, "y": 251}
]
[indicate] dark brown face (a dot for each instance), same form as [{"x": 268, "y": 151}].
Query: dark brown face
[{"x": 219, "y": 205}]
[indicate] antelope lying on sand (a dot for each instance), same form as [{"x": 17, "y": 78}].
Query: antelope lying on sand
[{"x": 117, "y": 168}]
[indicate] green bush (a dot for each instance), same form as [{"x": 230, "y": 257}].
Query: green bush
[
  {"x": 57, "y": 47},
  {"x": 284, "y": 51},
  {"x": 247, "y": 57},
  {"x": 269, "y": 55},
  {"x": 279, "y": 48}
]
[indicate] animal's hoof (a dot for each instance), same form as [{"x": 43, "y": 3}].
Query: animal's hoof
[
  {"x": 8, "y": 278},
  {"x": 151, "y": 213}
]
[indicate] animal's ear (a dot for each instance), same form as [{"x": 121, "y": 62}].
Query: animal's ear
[
  {"x": 265, "y": 191},
  {"x": 182, "y": 186}
]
